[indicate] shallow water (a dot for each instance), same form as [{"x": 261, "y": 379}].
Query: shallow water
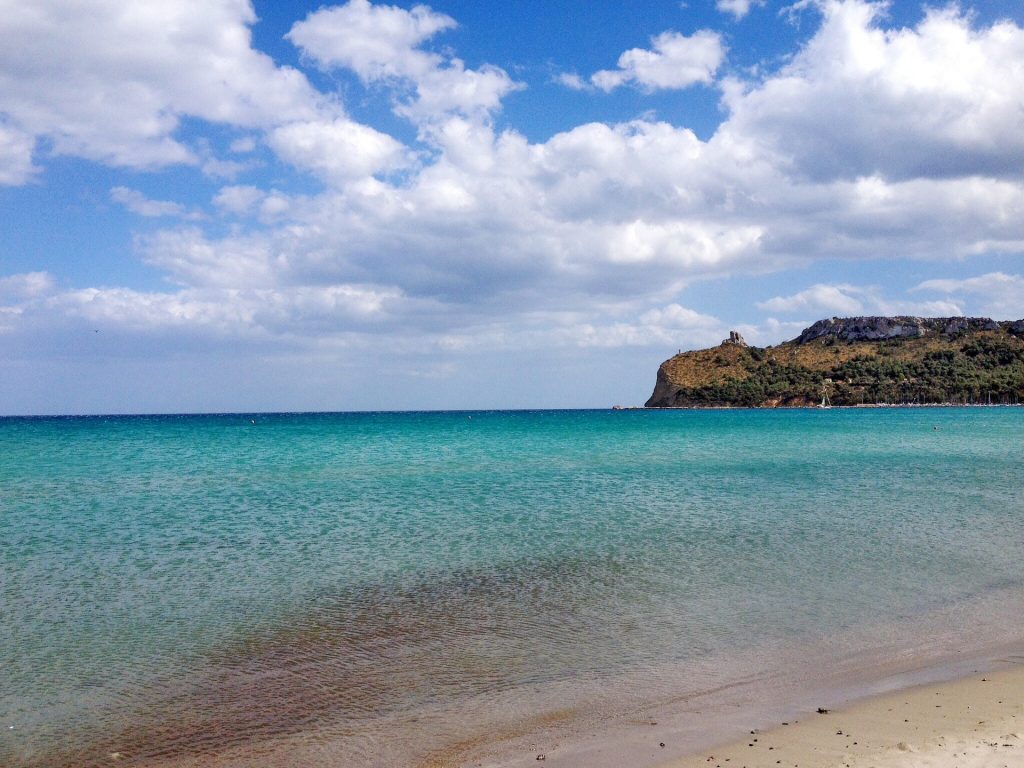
[{"x": 381, "y": 586}]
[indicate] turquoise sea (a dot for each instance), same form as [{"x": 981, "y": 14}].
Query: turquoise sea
[{"x": 384, "y": 588}]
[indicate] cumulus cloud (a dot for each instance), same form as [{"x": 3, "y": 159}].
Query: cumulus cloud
[
  {"x": 340, "y": 150},
  {"x": 138, "y": 203},
  {"x": 27, "y": 285},
  {"x": 572, "y": 81},
  {"x": 191, "y": 260},
  {"x": 941, "y": 100},
  {"x": 596, "y": 211},
  {"x": 304, "y": 315},
  {"x": 590, "y": 236},
  {"x": 382, "y": 44},
  {"x": 771, "y": 331},
  {"x": 737, "y": 8},
  {"x": 243, "y": 145},
  {"x": 376, "y": 41},
  {"x": 16, "y": 147},
  {"x": 674, "y": 61},
  {"x": 111, "y": 82},
  {"x": 824, "y": 299},
  {"x": 344, "y": 315},
  {"x": 834, "y": 299},
  {"x": 238, "y": 199},
  {"x": 996, "y": 294}
]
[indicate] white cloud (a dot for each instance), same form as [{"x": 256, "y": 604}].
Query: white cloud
[
  {"x": 216, "y": 168},
  {"x": 16, "y": 147},
  {"x": 590, "y": 236},
  {"x": 255, "y": 314},
  {"x": 674, "y": 61},
  {"x": 243, "y": 145},
  {"x": 824, "y": 300},
  {"x": 997, "y": 294},
  {"x": 193, "y": 261},
  {"x": 571, "y": 80},
  {"x": 274, "y": 206},
  {"x": 136, "y": 202},
  {"x": 676, "y": 316},
  {"x": 942, "y": 100},
  {"x": 381, "y": 44},
  {"x": 737, "y": 8},
  {"x": 27, "y": 285},
  {"x": 690, "y": 246},
  {"x": 829, "y": 299},
  {"x": 771, "y": 331},
  {"x": 375, "y": 41},
  {"x": 340, "y": 150},
  {"x": 238, "y": 199},
  {"x": 111, "y": 81},
  {"x": 595, "y": 211}
]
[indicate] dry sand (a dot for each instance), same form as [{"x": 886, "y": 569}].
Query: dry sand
[{"x": 976, "y": 722}]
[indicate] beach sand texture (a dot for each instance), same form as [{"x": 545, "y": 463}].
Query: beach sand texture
[{"x": 977, "y": 722}]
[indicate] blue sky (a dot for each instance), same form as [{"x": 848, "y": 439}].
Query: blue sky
[{"x": 216, "y": 205}]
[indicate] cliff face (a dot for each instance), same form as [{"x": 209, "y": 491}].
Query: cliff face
[{"x": 852, "y": 361}]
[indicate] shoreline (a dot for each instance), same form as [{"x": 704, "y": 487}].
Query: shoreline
[
  {"x": 971, "y": 722},
  {"x": 954, "y": 713},
  {"x": 938, "y": 699},
  {"x": 713, "y": 726},
  {"x": 714, "y": 707},
  {"x": 859, "y": 406}
]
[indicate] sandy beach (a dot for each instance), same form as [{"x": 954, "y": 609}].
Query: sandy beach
[{"x": 976, "y": 722}]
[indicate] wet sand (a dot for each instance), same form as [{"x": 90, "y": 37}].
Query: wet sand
[
  {"x": 963, "y": 711},
  {"x": 974, "y": 721},
  {"x": 977, "y": 722},
  {"x": 332, "y": 693}
]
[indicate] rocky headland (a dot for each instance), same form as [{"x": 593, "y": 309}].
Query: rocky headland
[{"x": 855, "y": 361}]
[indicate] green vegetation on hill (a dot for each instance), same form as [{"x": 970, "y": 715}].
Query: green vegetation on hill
[{"x": 974, "y": 365}]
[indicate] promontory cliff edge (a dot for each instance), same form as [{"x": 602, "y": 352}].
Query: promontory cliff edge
[{"x": 855, "y": 361}]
